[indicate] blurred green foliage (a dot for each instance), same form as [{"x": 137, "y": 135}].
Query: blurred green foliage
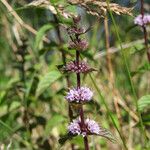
[{"x": 33, "y": 110}]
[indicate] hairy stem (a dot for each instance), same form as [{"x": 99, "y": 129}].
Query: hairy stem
[{"x": 81, "y": 108}]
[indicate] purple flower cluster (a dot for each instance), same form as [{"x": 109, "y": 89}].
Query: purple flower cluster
[
  {"x": 79, "y": 95},
  {"x": 74, "y": 30},
  {"x": 74, "y": 127},
  {"x": 81, "y": 68},
  {"x": 141, "y": 21},
  {"x": 79, "y": 45},
  {"x": 91, "y": 127}
]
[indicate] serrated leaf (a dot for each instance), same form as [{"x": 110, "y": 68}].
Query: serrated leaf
[
  {"x": 46, "y": 81},
  {"x": 144, "y": 102},
  {"x": 107, "y": 134},
  {"x": 41, "y": 33},
  {"x": 54, "y": 121}
]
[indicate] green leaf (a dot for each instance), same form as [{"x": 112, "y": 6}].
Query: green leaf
[
  {"x": 146, "y": 119},
  {"x": 129, "y": 28},
  {"x": 5, "y": 130},
  {"x": 53, "y": 122},
  {"x": 144, "y": 68},
  {"x": 78, "y": 140},
  {"x": 87, "y": 55},
  {"x": 29, "y": 86},
  {"x": 144, "y": 102},
  {"x": 2, "y": 95},
  {"x": 41, "y": 33},
  {"x": 71, "y": 9},
  {"x": 46, "y": 81},
  {"x": 14, "y": 105},
  {"x": 108, "y": 135}
]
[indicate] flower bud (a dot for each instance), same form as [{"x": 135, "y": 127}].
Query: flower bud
[{"x": 76, "y": 19}]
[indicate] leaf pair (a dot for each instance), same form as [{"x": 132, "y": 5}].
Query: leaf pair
[{"x": 103, "y": 132}]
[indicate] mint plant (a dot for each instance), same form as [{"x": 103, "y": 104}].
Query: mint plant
[{"x": 80, "y": 95}]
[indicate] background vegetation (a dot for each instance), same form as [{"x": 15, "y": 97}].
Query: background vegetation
[{"x": 33, "y": 111}]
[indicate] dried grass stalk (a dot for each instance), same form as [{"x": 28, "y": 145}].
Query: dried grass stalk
[
  {"x": 55, "y": 10},
  {"x": 99, "y": 8}
]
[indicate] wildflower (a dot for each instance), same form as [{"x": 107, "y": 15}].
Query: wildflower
[
  {"x": 74, "y": 127},
  {"x": 80, "y": 45},
  {"x": 89, "y": 127},
  {"x": 141, "y": 21},
  {"x": 92, "y": 126},
  {"x": 79, "y": 95},
  {"x": 81, "y": 68},
  {"x": 75, "y": 30}
]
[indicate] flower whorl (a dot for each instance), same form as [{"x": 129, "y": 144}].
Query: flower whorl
[
  {"x": 78, "y": 95},
  {"x": 91, "y": 127}
]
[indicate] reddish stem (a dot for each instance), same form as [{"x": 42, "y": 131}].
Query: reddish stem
[
  {"x": 81, "y": 108},
  {"x": 86, "y": 143}
]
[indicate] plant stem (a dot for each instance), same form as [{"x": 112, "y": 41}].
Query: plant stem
[
  {"x": 78, "y": 74},
  {"x": 81, "y": 107},
  {"x": 145, "y": 32},
  {"x": 86, "y": 143}
]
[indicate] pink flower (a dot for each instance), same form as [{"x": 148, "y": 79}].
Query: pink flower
[
  {"x": 79, "y": 95},
  {"x": 81, "y": 68},
  {"x": 139, "y": 20},
  {"x": 75, "y": 30},
  {"x": 74, "y": 127},
  {"x": 90, "y": 127},
  {"x": 81, "y": 45}
]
